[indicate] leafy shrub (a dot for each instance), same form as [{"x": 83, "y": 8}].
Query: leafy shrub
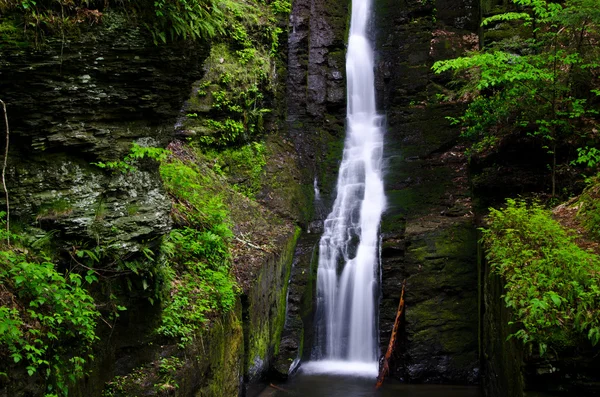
[
  {"x": 195, "y": 202},
  {"x": 198, "y": 253},
  {"x": 47, "y": 319},
  {"x": 187, "y": 19},
  {"x": 552, "y": 285},
  {"x": 132, "y": 159},
  {"x": 542, "y": 83},
  {"x": 200, "y": 282},
  {"x": 165, "y": 19}
]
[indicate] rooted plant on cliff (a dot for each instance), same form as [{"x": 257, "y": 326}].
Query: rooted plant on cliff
[
  {"x": 47, "y": 318},
  {"x": 198, "y": 252},
  {"x": 551, "y": 284}
]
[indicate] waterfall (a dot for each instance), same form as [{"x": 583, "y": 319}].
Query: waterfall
[{"x": 347, "y": 281}]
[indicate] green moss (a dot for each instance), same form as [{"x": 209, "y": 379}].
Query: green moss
[
  {"x": 55, "y": 209},
  {"x": 234, "y": 96},
  {"x": 286, "y": 259},
  {"x": 243, "y": 166},
  {"x": 589, "y": 208},
  {"x": 226, "y": 343},
  {"x": 12, "y": 36},
  {"x": 267, "y": 310},
  {"x": 281, "y": 181}
]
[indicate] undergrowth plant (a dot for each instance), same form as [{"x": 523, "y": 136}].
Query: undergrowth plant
[
  {"x": 551, "y": 284},
  {"x": 243, "y": 166},
  {"x": 198, "y": 252},
  {"x": 47, "y": 318}
]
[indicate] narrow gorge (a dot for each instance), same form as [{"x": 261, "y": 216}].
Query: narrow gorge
[{"x": 229, "y": 197}]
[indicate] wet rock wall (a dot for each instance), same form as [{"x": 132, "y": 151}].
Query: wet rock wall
[
  {"x": 428, "y": 234},
  {"x": 83, "y": 99}
]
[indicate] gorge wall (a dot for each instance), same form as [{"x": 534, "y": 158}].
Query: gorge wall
[
  {"x": 83, "y": 99},
  {"x": 428, "y": 233}
]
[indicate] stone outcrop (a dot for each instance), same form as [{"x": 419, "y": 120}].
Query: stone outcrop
[
  {"x": 296, "y": 338},
  {"x": 315, "y": 124},
  {"x": 81, "y": 100},
  {"x": 428, "y": 232},
  {"x": 316, "y": 90}
]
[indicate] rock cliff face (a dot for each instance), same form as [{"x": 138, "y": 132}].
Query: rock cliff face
[
  {"x": 316, "y": 89},
  {"x": 427, "y": 230},
  {"x": 84, "y": 99},
  {"x": 315, "y": 124}
]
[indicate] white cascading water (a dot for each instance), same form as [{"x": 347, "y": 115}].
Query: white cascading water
[{"x": 346, "y": 340}]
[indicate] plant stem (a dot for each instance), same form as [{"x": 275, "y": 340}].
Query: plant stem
[{"x": 4, "y": 173}]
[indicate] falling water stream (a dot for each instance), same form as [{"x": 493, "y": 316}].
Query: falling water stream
[
  {"x": 344, "y": 360},
  {"x": 346, "y": 335}
]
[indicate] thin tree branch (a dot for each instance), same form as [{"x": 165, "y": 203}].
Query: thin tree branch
[{"x": 4, "y": 174}]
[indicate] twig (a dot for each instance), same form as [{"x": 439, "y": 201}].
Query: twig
[
  {"x": 106, "y": 322},
  {"x": 278, "y": 388},
  {"x": 386, "y": 368},
  {"x": 249, "y": 244},
  {"x": 4, "y": 174}
]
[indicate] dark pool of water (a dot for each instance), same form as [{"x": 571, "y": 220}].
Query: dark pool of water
[{"x": 303, "y": 385}]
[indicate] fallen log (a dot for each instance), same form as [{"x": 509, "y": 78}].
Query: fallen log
[{"x": 385, "y": 368}]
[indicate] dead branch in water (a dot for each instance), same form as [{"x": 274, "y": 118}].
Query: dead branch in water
[{"x": 385, "y": 369}]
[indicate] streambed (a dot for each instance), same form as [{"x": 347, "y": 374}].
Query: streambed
[{"x": 326, "y": 385}]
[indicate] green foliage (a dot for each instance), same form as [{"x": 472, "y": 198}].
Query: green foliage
[
  {"x": 187, "y": 19},
  {"x": 198, "y": 253},
  {"x": 241, "y": 78},
  {"x": 243, "y": 166},
  {"x": 48, "y": 319},
  {"x": 39, "y": 18},
  {"x": 167, "y": 368},
  {"x": 281, "y": 6},
  {"x": 165, "y": 19},
  {"x": 551, "y": 285},
  {"x": 200, "y": 285},
  {"x": 238, "y": 104},
  {"x": 196, "y": 203},
  {"x": 55, "y": 209},
  {"x": 229, "y": 130},
  {"x": 541, "y": 83},
  {"x": 136, "y": 154},
  {"x": 589, "y": 208},
  {"x": 589, "y": 156}
]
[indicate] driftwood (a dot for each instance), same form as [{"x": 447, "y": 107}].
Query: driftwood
[{"x": 385, "y": 369}]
